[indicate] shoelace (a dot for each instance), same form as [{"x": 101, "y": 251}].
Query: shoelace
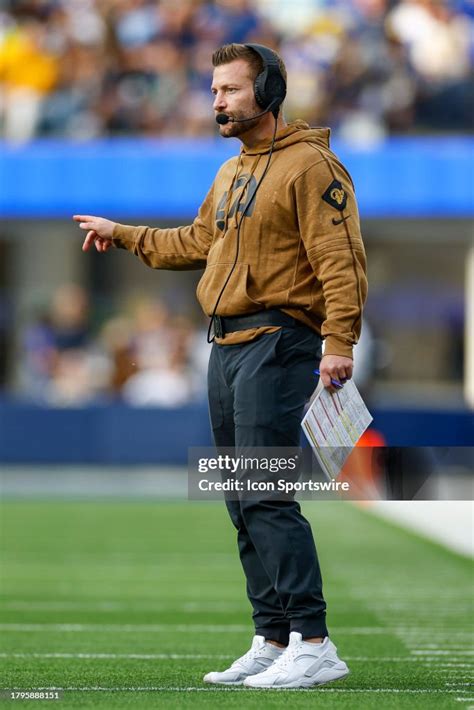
[
  {"x": 249, "y": 656},
  {"x": 288, "y": 655}
]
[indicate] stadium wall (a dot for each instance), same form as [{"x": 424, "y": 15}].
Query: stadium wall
[
  {"x": 167, "y": 178},
  {"x": 117, "y": 434}
]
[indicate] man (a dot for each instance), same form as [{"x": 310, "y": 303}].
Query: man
[{"x": 278, "y": 236}]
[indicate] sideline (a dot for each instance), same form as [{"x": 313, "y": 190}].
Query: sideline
[{"x": 450, "y": 523}]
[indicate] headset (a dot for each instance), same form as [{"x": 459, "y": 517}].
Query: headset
[
  {"x": 270, "y": 92},
  {"x": 269, "y": 86}
]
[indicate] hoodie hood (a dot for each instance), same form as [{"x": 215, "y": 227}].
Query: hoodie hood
[{"x": 295, "y": 132}]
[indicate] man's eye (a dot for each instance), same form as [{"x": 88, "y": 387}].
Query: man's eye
[{"x": 231, "y": 90}]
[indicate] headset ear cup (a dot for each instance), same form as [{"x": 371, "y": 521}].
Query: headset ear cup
[
  {"x": 260, "y": 89},
  {"x": 275, "y": 87},
  {"x": 270, "y": 85}
]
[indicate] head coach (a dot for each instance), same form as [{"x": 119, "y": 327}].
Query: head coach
[{"x": 279, "y": 240}]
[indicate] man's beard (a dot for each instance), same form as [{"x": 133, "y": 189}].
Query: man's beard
[{"x": 237, "y": 129}]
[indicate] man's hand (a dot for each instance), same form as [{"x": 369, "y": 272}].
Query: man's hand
[
  {"x": 336, "y": 367},
  {"x": 99, "y": 231}
]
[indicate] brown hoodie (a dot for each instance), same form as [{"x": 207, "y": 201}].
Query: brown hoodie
[{"x": 300, "y": 248}]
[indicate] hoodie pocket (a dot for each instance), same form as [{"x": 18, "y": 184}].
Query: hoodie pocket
[{"x": 235, "y": 299}]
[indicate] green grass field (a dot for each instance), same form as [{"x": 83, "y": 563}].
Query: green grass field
[{"x": 129, "y": 604}]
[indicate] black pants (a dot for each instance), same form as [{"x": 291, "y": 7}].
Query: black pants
[{"x": 257, "y": 393}]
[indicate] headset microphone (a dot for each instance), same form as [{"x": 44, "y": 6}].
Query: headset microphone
[{"x": 223, "y": 118}]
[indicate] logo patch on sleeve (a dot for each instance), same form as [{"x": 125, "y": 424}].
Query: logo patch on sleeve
[{"x": 336, "y": 196}]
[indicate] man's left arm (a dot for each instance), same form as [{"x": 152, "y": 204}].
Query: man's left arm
[{"x": 329, "y": 224}]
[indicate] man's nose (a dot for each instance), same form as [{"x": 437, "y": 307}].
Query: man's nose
[{"x": 219, "y": 102}]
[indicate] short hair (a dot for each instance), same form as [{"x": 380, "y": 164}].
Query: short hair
[{"x": 230, "y": 52}]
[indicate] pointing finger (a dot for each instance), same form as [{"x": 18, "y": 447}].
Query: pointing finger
[
  {"x": 83, "y": 218},
  {"x": 89, "y": 240}
]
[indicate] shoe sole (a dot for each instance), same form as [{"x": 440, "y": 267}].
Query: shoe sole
[
  {"x": 321, "y": 678},
  {"x": 224, "y": 682}
]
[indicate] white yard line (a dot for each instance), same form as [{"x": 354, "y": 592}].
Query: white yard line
[
  {"x": 121, "y": 656},
  {"x": 128, "y": 628},
  {"x": 213, "y": 628},
  {"x": 233, "y": 689},
  {"x": 450, "y": 653},
  {"x": 456, "y": 650},
  {"x": 450, "y": 523},
  {"x": 112, "y": 606},
  {"x": 191, "y": 656}
]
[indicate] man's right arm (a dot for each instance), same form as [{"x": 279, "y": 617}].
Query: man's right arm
[{"x": 176, "y": 248}]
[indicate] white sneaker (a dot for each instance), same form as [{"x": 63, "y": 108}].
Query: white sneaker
[
  {"x": 258, "y": 658},
  {"x": 301, "y": 665}
]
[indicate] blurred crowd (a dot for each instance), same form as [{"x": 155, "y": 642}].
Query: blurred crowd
[
  {"x": 89, "y": 68},
  {"x": 143, "y": 356}
]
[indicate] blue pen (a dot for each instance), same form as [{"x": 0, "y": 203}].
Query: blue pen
[{"x": 333, "y": 382}]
